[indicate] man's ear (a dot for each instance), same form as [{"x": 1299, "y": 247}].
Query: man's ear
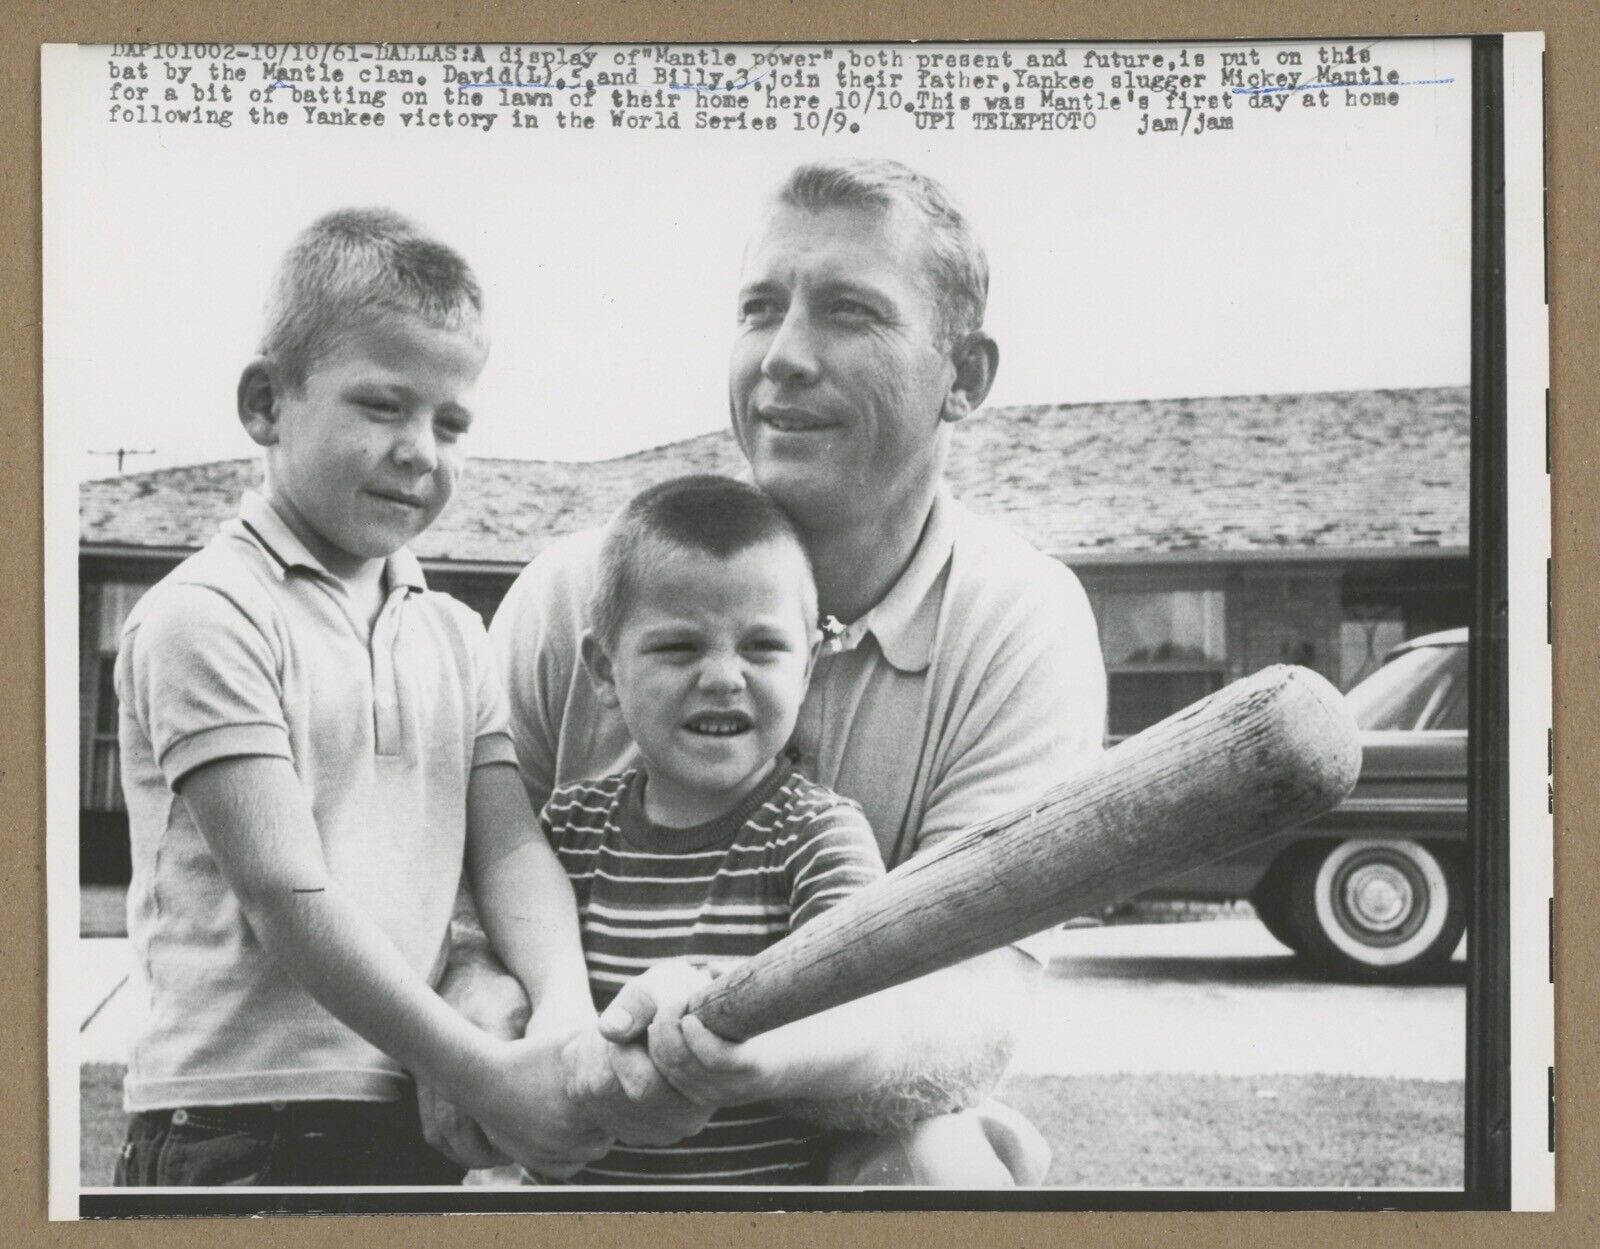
[
  {"x": 976, "y": 358},
  {"x": 598, "y": 665},
  {"x": 258, "y": 403}
]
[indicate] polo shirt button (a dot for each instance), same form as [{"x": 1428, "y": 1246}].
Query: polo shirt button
[
  {"x": 279, "y": 1106},
  {"x": 180, "y": 1116}
]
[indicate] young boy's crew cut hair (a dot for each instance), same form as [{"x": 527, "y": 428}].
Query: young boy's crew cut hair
[
  {"x": 704, "y": 513},
  {"x": 361, "y": 262}
]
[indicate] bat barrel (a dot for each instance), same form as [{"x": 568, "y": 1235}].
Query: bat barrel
[{"x": 1263, "y": 754}]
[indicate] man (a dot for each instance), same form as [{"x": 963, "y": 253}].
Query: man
[{"x": 965, "y": 680}]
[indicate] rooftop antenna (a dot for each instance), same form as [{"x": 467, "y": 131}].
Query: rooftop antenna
[{"x": 122, "y": 452}]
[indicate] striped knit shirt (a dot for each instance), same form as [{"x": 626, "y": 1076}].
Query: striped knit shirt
[{"x": 717, "y": 893}]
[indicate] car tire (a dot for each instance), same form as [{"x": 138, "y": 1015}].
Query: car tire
[
  {"x": 1271, "y": 903},
  {"x": 1377, "y": 910}
]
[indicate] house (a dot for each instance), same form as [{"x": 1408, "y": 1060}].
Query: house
[{"x": 1214, "y": 536}]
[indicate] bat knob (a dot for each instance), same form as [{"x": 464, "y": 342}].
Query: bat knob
[{"x": 1307, "y": 725}]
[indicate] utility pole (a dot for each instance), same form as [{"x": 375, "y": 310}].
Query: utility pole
[{"x": 123, "y": 452}]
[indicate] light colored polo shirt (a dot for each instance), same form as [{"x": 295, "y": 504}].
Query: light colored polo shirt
[
  {"x": 250, "y": 647},
  {"x": 975, "y": 684}
]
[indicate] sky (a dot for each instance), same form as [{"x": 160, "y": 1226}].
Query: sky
[{"x": 1310, "y": 250}]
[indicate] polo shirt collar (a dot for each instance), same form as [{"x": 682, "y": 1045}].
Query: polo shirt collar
[
  {"x": 261, "y": 521},
  {"x": 906, "y": 618}
]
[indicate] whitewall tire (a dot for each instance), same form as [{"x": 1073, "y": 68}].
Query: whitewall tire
[{"x": 1378, "y": 909}]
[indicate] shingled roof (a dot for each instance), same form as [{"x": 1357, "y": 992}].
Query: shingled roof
[{"x": 1352, "y": 471}]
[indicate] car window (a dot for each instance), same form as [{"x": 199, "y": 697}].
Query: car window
[
  {"x": 1420, "y": 689},
  {"x": 1450, "y": 709}
]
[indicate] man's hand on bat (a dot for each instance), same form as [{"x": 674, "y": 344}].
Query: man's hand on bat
[{"x": 703, "y": 1067}]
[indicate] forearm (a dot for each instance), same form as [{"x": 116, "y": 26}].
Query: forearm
[
  {"x": 530, "y": 918},
  {"x": 468, "y": 942},
  {"x": 352, "y": 969},
  {"x": 259, "y": 825},
  {"x": 928, "y": 1047},
  {"x": 524, "y": 899},
  {"x": 474, "y": 981}
]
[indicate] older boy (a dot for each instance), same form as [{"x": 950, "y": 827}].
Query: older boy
[{"x": 313, "y": 746}]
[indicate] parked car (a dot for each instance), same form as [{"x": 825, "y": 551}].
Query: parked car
[{"x": 1377, "y": 888}]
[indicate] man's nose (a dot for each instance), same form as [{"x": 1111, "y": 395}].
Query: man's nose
[{"x": 792, "y": 353}]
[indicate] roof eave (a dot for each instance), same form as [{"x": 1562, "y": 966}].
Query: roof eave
[
  {"x": 175, "y": 554},
  {"x": 1261, "y": 555},
  {"x": 1074, "y": 559}
]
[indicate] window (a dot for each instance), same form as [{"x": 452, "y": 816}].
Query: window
[
  {"x": 1386, "y": 603},
  {"x": 102, "y": 772},
  {"x": 1164, "y": 649},
  {"x": 1366, "y": 635}
]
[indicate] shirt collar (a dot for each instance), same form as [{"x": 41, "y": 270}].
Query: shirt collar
[
  {"x": 259, "y": 521},
  {"x": 905, "y": 619}
]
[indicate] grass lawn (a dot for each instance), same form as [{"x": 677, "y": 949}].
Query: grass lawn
[
  {"x": 102, "y": 911},
  {"x": 1149, "y": 1130},
  {"x": 1183, "y": 1131},
  {"x": 100, "y": 1122}
]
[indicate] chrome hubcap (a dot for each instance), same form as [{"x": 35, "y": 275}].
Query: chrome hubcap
[{"x": 1378, "y": 896}]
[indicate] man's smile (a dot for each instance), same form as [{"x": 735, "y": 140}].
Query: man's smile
[{"x": 788, "y": 420}]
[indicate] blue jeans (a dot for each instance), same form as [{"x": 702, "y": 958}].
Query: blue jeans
[{"x": 287, "y": 1144}]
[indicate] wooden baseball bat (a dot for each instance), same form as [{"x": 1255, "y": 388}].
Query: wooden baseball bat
[{"x": 1265, "y": 753}]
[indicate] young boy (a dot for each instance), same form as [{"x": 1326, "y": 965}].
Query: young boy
[
  {"x": 702, "y": 634},
  {"x": 313, "y": 746}
]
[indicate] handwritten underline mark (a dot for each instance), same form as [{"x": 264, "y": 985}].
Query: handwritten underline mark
[{"x": 1348, "y": 86}]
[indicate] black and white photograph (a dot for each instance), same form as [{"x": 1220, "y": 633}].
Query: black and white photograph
[{"x": 764, "y": 627}]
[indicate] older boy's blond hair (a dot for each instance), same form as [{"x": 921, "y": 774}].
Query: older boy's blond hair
[{"x": 352, "y": 265}]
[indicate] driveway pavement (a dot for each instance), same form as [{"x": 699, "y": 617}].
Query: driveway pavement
[
  {"x": 1224, "y": 998},
  {"x": 107, "y": 1012},
  {"x": 1219, "y": 997}
]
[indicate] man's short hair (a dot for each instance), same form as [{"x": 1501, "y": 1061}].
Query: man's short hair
[
  {"x": 356, "y": 263},
  {"x": 707, "y": 514},
  {"x": 958, "y": 270}
]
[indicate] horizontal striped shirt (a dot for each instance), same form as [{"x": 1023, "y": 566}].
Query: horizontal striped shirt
[{"x": 715, "y": 893}]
